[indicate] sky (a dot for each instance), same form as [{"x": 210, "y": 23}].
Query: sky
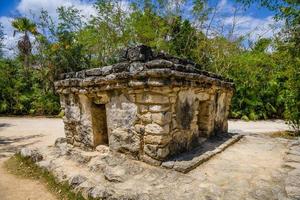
[{"x": 254, "y": 21}]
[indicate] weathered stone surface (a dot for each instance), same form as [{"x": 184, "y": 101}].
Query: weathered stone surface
[
  {"x": 33, "y": 154},
  {"x": 159, "y": 108},
  {"x": 59, "y": 141},
  {"x": 76, "y": 180},
  {"x": 157, "y": 139},
  {"x": 157, "y": 129},
  {"x": 114, "y": 174},
  {"x": 152, "y": 98},
  {"x": 125, "y": 141}
]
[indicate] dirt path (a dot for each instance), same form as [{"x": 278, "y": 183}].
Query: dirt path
[
  {"x": 16, "y": 133},
  {"x": 253, "y": 163}
]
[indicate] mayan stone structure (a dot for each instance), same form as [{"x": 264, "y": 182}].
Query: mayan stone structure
[{"x": 150, "y": 106}]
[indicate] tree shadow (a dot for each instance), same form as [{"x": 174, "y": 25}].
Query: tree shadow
[
  {"x": 208, "y": 145},
  {"x": 4, "y": 125},
  {"x": 10, "y": 145}
]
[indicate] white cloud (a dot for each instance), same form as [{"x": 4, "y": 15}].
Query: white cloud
[
  {"x": 231, "y": 16},
  {"x": 28, "y": 7},
  {"x": 9, "y": 40}
]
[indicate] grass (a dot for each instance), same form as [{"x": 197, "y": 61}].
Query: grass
[
  {"x": 22, "y": 167},
  {"x": 284, "y": 134}
]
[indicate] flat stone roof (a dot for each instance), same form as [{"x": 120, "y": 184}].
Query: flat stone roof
[{"x": 142, "y": 64}]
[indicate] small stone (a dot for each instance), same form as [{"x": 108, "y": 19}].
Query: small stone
[
  {"x": 140, "y": 129},
  {"x": 143, "y": 109},
  {"x": 157, "y": 129},
  {"x": 136, "y": 67},
  {"x": 168, "y": 164},
  {"x": 157, "y": 139},
  {"x": 76, "y": 180},
  {"x": 100, "y": 192},
  {"x": 161, "y": 118},
  {"x": 114, "y": 174},
  {"x": 159, "y": 108},
  {"x": 146, "y": 118},
  {"x": 162, "y": 153},
  {"x": 150, "y": 160},
  {"x": 102, "y": 148},
  {"x": 139, "y": 53}
]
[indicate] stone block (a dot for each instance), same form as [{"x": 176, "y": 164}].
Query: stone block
[
  {"x": 143, "y": 108},
  {"x": 157, "y": 139},
  {"x": 159, "y": 63},
  {"x": 157, "y": 129},
  {"x": 150, "y": 160},
  {"x": 161, "y": 118},
  {"x": 152, "y": 98},
  {"x": 163, "y": 152},
  {"x": 140, "y": 129},
  {"x": 159, "y": 108},
  {"x": 146, "y": 118},
  {"x": 151, "y": 150}
]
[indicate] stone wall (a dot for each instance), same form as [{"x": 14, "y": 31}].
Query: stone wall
[{"x": 150, "y": 124}]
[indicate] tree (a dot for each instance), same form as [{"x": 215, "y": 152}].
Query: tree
[{"x": 26, "y": 27}]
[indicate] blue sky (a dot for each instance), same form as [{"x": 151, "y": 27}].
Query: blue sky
[{"x": 256, "y": 22}]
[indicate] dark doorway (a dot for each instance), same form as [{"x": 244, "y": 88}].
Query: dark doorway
[{"x": 99, "y": 124}]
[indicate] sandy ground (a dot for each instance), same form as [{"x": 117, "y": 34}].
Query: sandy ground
[{"x": 16, "y": 133}]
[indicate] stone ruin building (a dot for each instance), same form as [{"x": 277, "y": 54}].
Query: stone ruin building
[{"x": 150, "y": 106}]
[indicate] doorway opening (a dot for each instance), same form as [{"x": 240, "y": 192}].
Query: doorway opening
[
  {"x": 99, "y": 124},
  {"x": 203, "y": 118}
]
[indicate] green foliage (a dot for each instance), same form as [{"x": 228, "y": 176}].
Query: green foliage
[
  {"x": 23, "y": 94},
  {"x": 1, "y": 40}
]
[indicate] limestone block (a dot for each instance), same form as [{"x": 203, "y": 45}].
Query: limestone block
[
  {"x": 163, "y": 152},
  {"x": 136, "y": 83},
  {"x": 161, "y": 118},
  {"x": 157, "y": 139},
  {"x": 158, "y": 82},
  {"x": 151, "y": 150},
  {"x": 161, "y": 90},
  {"x": 159, "y": 108},
  {"x": 120, "y": 113},
  {"x": 150, "y": 160},
  {"x": 136, "y": 67},
  {"x": 155, "y": 152},
  {"x": 125, "y": 141},
  {"x": 146, "y": 118},
  {"x": 157, "y": 129},
  {"x": 140, "y": 129},
  {"x": 152, "y": 98},
  {"x": 159, "y": 63}
]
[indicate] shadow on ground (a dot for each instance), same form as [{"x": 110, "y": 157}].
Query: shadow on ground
[
  {"x": 4, "y": 125},
  {"x": 208, "y": 145},
  {"x": 9, "y": 145}
]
